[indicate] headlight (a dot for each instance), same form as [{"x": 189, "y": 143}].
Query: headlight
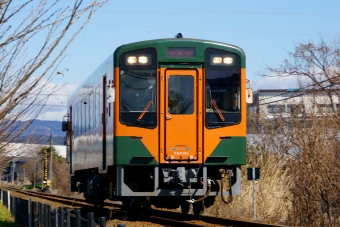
[
  {"x": 217, "y": 60},
  {"x": 221, "y": 60},
  {"x": 131, "y": 59},
  {"x": 228, "y": 60},
  {"x": 143, "y": 59},
  {"x": 137, "y": 59}
]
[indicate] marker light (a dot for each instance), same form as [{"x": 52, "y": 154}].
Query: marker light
[
  {"x": 228, "y": 60},
  {"x": 132, "y": 59},
  {"x": 143, "y": 59},
  {"x": 217, "y": 60}
]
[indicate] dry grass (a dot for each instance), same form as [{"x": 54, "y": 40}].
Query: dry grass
[{"x": 272, "y": 193}]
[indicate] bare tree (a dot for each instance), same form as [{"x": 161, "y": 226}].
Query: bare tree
[
  {"x": 309, "y": 140},
  {"x": 33, "y": 38},
  {"x": 34, "y": 162}
]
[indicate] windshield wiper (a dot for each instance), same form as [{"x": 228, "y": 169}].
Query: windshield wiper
[
  {"x": 217, "y": 110},
  {"x": 145, "y": 109},
  {"x": 139, "y": 123},
  {"x": 221, "y": 123}
]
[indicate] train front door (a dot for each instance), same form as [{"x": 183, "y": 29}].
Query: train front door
[{"x": 181, "y": 134}]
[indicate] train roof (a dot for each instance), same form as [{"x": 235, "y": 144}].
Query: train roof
[{"x": 162, "y": 44}]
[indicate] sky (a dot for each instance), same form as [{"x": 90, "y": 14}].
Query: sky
[{"x": 265, "y": 30}]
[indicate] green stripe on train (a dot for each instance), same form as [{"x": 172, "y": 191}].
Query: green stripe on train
[
  {"x": 129, "y": 151},
  {"x": 229, "y": 152}
]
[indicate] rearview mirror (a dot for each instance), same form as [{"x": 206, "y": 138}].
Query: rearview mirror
[
  {"x": 64, "y": 126},
  {"x": 249, "y": 95},
  {"x": 110, "y": 95}
]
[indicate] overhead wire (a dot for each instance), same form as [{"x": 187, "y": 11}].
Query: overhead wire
[
  {"x": 306, "y": 92},
  {"x": 222, "y": 12},
  {"x": 190, "y": 10},
  {"x": 205, "y": 11},
  {"x": 203, "y": 29},
  {"x": 298, "y": 88}
]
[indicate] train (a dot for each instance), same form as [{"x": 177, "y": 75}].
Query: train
[{"x": 160, "y": 123}]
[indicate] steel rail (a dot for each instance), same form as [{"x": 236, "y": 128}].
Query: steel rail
[{"x": 162, "y": 217}]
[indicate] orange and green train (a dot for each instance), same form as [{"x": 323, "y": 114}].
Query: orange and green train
[{"x": 160, "y": 122}]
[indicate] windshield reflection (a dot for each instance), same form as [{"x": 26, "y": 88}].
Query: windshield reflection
[{"x": 138, "y": 97}]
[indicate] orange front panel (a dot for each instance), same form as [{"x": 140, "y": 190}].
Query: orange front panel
[
  {"x": 181, "y": 122},
  {"x": 180, "y": 135},
  {"x": 212, "y": 137},
  {"x": 149, "y": 137}
]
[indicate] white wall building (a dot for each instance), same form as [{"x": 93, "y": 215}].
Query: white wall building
[
  {"x": 271, "y": 102},
  {"x": 22, "y": 150}
]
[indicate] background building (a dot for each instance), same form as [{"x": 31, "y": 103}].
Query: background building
[{"x": 269, "y": 103}]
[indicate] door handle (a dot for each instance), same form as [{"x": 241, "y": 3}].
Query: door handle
[{"x": 168, "y": 117}]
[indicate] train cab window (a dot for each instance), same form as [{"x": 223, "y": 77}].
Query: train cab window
[
  {"x": 138, "y": 88},
  {"x": 181, "y": 94},
  {"x": 222, "y": 88}
]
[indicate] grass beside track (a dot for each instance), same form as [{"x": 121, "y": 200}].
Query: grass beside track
[
  {"x": 6, "y": 220},
  {"x": 29, "y": 187}
]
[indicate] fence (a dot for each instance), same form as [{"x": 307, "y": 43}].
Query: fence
[{"x": 34, "y": 214}]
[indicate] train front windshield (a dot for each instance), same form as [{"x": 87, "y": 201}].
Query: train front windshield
[
  {"x": 223, "y": 77},
  {"x": 138, "y": 89}
]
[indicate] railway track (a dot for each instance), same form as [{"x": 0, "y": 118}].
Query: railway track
[{"x": 161, "y": 217}]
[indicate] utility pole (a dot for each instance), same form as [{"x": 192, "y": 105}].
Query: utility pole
[
  {"x": 13, "y": 167},
  {"x": 45, "y": 172},
  {"x": 254, "y": 175},
  {"x": 34, "y": 174},
  {"x": 50, "y": 166},
  {"x": 254, "y": 193}
]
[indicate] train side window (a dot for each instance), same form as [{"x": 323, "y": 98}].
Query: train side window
[
  {"x": 83, "y": 117},
  {"x": 97, "y": 107},
  {"x": 91, "y": 111},
  {"x": 74, "y": 122},
  {"x": 87, "y": 114},
  {"x": 79, "y": 119}
]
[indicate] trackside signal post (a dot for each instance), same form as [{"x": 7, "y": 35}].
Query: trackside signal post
[
  {"x": 254, "y": 174},
  {"x": 45, "y": 170},
  {"x": 49, "y": 182}
]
